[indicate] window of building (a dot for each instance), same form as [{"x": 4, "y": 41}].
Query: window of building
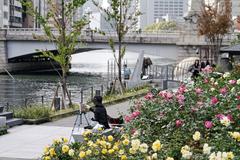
[
  {"x": 5, "y": 2},
  {"x": 5, "y": 15}
]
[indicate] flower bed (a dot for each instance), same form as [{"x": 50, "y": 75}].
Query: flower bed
[
  {"x": 97, "y": 147},
  {"x": 199, "y": 121}
]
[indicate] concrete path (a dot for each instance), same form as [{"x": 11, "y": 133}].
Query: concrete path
[{"x": 27, "y": 142}]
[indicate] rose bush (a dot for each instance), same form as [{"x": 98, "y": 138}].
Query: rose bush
[
  {"x": 198, "y": 121},
  {"x": 210, "y": 106},
  {"x": 97, "y": 147}
]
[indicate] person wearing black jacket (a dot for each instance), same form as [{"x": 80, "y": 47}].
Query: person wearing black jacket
[{"x": 100, "y": 112}]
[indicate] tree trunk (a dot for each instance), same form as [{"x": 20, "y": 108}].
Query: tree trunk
[{"x": 64, "y": 86}]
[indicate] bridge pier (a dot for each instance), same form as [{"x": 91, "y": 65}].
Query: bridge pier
[{"x": 3, "y": 55}]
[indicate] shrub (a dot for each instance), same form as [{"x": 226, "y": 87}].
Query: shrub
[
  {"x": 33, "y": 112},
  {"x": 3, "y": 130},
  {"x": 210, "y": 106}
]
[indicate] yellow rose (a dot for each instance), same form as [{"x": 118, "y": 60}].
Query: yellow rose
[
  {"x": 121, "y": 152},
  {"x": 103, "y": 143},
  {"x": 125, "y": 142},
  {"x": 235, "y": 135},
  {"x": 90, "y": 143},
  {"x": 65, "y": 140},
  {"x": 115, "y": 147},
  {"x": 71, "y": 152},
  {"x": 135, "y": 144},
  {"x": 109, "y": 145},
  {"x": 65, "y": 148},
  {"x": 47, "y": 158},
  {"x": 143, "y": 148},
  {"x": 132, "y": 151},
  {"x": 82, "y": 154},
  {"x": 123, "y": 157},
  {"x": 110, "y": 151},
  {"x": 156, "y": 146},
  {"x": 154, "y": 156},
  {"x": 197, "y": 136},
  {"x": 46, "y": 150},
  {"x": 104, "y": 151},
  {"x": 52, "y": 152},
  {"x": 88, "y": 152},
  {"x": 230, "y": 155},
  {"x": 110, "y": 138},
  {"x": 170, "y": 158},
  {"x": 56, "y": 141}
]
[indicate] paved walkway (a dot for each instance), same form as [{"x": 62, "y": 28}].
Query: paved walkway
[{"x": 27, "y": 142}]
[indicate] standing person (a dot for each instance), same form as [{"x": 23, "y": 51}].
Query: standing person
[
  {"x": 126, "y": 72},
  {"x": 195, "y": 68},
  {"x": 203, "y": 63},
  {"x": 100, "y": 112}
]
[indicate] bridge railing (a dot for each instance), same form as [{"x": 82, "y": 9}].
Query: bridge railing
[{"x": 30, "y": 31}]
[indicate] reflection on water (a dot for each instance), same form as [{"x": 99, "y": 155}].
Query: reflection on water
[{"x": 89, "y": 69}]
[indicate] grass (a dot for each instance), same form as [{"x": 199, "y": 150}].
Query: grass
[
  {"x": 129, "y": 93},
  {"x": 33, "y": 112}
]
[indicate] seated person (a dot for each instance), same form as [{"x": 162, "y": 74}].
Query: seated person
[{"x": 100, "y": 112}]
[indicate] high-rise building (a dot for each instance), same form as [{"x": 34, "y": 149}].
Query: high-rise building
[
  {"x": 15, "y": 14},
  {"x": 10, "y": 14},
  {"x": 158, "y": 10},
  {"x": 4, "y": 14},
  {"x": 235, "y": 8}
]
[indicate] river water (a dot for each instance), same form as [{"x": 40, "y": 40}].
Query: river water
[{"x": 88, "y": 69}]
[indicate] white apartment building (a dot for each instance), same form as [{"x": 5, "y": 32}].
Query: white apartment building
[
  {"x": 158, "y": 10},
  {"x": 10, "y": 14},
  {"x": 4, "y": 14}
]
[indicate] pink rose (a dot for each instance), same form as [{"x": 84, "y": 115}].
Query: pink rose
[
  {"x": 230, "y": 117},
  {"x": 214, "y": 100},
  {"x": 223, "y": 90},
  {"x": 208, "y": 124},
  {"x": 179, "y": 123},
  {"x": 180, "y": 99},
  {"x": 169, "y": 95},
  {"x": 207, "y": 69},
  {"x": 135, "y": 114},
  {"x": 205, "y": 81},
  {"x": 220, "y": 116},
  {"x": 198, "y": 90},
  {"x": 238, "y": 107},
  {"x": 182, "y": 89},
  {"x": 232, "y": 82},
  {"x": 128, "y": 119},
  {"x": 149, "y": 96}
]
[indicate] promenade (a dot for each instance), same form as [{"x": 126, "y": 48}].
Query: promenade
[{"x": 27, "y": 142}]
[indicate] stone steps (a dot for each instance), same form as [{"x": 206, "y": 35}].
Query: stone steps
[
  {"x": 10, "y": 120},
  {"x": 8, "y": 115},
  {"x": 14, "y": 122}
]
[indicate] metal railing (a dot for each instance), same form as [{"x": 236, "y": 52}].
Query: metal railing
[{"x": 13, "y": 96}]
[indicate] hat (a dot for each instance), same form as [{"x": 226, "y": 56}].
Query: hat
[{"x": 97, "y": 99}]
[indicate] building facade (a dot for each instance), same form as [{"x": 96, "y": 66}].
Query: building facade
[
  {"x": 10, "y": 14},
  {"x": 162, "y": 10}
]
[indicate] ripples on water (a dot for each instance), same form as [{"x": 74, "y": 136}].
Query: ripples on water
[{"x": 88, "y": 69}]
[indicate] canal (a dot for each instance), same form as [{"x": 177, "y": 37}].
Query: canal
[{"x": 88, "y": 69}]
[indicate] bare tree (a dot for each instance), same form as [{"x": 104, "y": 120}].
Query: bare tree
[
  {"x": 214, "y": 22},
  {"x": 122, "y": 15},
  {"x": 59, "y": 29}
]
